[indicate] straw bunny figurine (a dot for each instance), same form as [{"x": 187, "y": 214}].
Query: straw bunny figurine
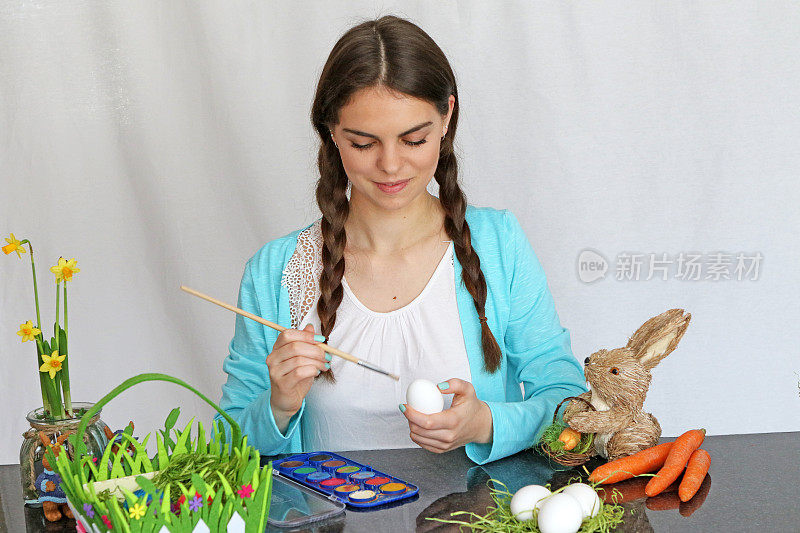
[
  {"x": 116, "y": 437},
  {"x": 48, "y": 483},
  {"x": 619, "y": 380}
]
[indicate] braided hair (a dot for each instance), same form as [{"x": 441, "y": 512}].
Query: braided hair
[{"x": 393, "y": 53}]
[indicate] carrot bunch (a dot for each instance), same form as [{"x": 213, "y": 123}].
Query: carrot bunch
[{"x": 670, "y": 459}]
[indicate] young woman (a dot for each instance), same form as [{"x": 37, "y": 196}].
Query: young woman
[{"x": 424, "y": 287}]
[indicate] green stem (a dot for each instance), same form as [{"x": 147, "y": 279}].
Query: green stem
[
  {"x": 58, "y": 300},
  {"x": 42, "y": 377},
  {"x": 56, "y": 382},
  {"x": 53, "y": 392},
  {"x": 65, "y": 363},
  {"x": 35, "y": 287},
  {"x": 40, "y": 348},
  {"x": 45, "y": 400}
]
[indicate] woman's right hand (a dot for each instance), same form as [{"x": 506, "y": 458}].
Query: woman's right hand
[{"x": 293, "y": 364}]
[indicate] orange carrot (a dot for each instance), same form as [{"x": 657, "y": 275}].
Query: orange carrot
[
  {"x": 642, "y": 462},
  {"x": 676, "y": 460},
  {"x": 672, "y": 488},
  {"x": 696, "y": 470},
  {"x": 570, "y": 438},
  {"x": 687, "y": 508}
]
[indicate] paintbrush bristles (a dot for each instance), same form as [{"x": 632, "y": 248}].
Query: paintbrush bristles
[{"x": 278, "y": 327}]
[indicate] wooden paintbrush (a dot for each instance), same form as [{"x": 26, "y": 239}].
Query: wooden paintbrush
[{"x": 278, "y": 327}]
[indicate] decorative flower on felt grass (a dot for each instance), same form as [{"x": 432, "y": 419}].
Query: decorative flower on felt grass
[
  {"x": 246, "y": 491},
  {"x": 196, "y": 504},
  {"x": 65, "y": 269},
  {"x": 27, "y": 331},
  {"x": 107, "y": 522},
  {"x": 14, "y": 245},
  {"x": 137, "y": 511},
  {"x": 88, "y": 510},
  {"x": 52, "y": 363}
]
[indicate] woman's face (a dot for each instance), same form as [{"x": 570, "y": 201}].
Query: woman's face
[{"x": 389, "y": 145}]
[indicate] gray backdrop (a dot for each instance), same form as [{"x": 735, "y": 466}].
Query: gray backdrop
[{"x": 162, "y": 143}]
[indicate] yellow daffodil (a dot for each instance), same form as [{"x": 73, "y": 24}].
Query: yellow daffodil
[
  {"x": 52, "y": 363},
  {"x": 27, "y": 331},
  {"x": 137, "y": 511},
  {"x": 14, "y": 245},
  {"x": 65, "y": 269}
]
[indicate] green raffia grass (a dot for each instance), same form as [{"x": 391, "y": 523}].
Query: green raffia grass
[
  {"x": 499, "y": 519},
  {"x": 556, "y": 447},
  {"x": 207, "y": 465}
]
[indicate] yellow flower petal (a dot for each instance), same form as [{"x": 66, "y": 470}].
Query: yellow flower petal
[
  {"x": 14, "y": 245},
  {"x": 27, "y": 331},
  {"x": 52, "y": 363},
  {"x": 47, "y": 369},
  {"x": 65, "y": 269}
]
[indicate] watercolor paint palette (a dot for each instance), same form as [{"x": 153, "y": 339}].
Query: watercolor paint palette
[{"x": 354, "y": 484}]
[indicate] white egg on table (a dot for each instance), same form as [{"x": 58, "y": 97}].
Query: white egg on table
[
  {"x": 425, "y": 396},
  {"x": 560, "y": 513},
  {"x": 526, "y": 499},
  {"x": 586, "y": 496}
]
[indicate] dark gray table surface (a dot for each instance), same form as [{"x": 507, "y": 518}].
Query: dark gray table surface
[{"x": 755, "y": 486}]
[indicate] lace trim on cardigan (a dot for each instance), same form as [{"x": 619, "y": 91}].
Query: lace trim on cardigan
[
  {"x": 302, "y": 272},
  {"x": 301, "y": 275}
]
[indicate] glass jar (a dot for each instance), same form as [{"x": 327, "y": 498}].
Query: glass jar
[{"x": 32, "y": 450}]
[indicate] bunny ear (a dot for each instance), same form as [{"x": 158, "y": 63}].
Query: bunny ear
[
  {"x": 45, "y": 439},
  {"x": 658, "y": 337}
]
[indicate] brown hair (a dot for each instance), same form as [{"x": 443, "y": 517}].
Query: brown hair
[{"x": 396, "y": 54}]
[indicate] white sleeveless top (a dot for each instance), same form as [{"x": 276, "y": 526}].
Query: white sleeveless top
[{"x": 422, "y": 339}]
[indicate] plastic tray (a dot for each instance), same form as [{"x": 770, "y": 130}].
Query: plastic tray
[{"x": 296, "y": 467}]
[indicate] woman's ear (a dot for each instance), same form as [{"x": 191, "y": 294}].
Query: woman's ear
[
  {"x": 658, "y": 337},
  {"x": 451, "y": 104}
]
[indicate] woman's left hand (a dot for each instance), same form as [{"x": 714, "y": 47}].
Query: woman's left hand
[{"x": 468, "y": 420}]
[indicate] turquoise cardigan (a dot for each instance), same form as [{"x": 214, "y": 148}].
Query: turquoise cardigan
[{"x": 520, "y": 312}]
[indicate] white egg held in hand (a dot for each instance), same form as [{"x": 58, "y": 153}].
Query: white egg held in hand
[
  {"x": 425, "y": 397},
  {"x": 560, "y": 513},
  {"x": 586, "y": 496},
  {"x": 527, "y": 499}
]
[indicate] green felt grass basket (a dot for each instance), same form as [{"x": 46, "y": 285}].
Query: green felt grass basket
[{"x": 211, "y": 485}]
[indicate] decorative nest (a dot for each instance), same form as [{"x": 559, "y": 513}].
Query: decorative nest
[{"x": 550, "y": 446}]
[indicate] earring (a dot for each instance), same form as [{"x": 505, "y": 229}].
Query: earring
[
  {"x": 444, "y": 132},
  {"x": 334, "y": 142}
]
